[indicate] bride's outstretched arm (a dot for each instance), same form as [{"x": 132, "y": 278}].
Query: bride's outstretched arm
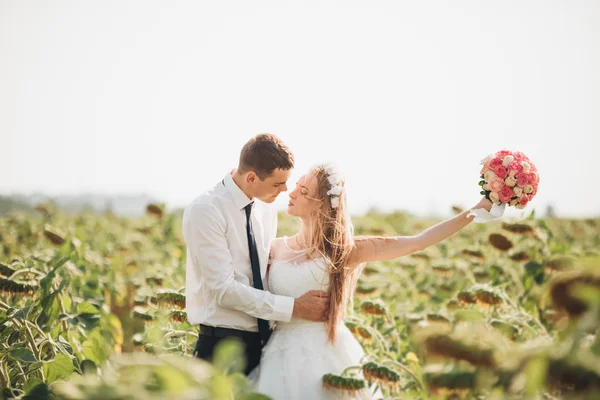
[{"x": 380, "y": 248}]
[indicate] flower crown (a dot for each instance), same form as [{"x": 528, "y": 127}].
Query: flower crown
[{"x": 335, "y": 182}]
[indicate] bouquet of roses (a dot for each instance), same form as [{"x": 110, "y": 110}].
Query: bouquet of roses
[{"x": 507, "y": 178}]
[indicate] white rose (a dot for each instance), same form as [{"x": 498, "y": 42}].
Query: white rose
[
  {"x": 507, "y": 160},
  {"x": 336, "y": 191},
  {"x": 335, "y": 202},
  {"x": 528, "y": 189},
  {"x": 485, "y": 160},
  {"x": 514, "y": 202},
  {"x": 333, "y": 179},
  {"x": 512, "y": 172},
  {"x": 520, "y": 206},
  {"x": 494, "y": 197},
  {"x": 488, "y": 176},
  {"x": 526, "y": 166},
  {"x": 330, "y": 169},
  {"x": 486, "y": 186},
  {"x": 510, "y": 181},
  {"x": 518, "y": 191}
]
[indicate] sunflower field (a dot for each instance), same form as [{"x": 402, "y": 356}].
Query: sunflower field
[{"x": 93, "y": 307}]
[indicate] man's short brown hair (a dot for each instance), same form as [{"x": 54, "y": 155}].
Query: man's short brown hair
[{"x": 263, "y": 154}]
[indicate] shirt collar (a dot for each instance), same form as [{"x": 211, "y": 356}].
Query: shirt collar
[{"x": 238, "y": 196}]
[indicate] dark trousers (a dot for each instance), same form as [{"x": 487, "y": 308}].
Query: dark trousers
[{"x": 206, "y": 344}]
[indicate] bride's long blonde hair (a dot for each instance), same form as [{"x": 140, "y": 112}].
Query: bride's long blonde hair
[{"x": 331, "y": 238}]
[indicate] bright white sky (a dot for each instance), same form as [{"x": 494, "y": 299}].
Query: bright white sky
[{"x": 406, "y": 96}]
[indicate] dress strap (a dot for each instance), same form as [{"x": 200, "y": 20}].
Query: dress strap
[{"x": 285, "y": 238}]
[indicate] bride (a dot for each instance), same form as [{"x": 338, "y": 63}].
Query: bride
[{"x": 323, "y": 255}]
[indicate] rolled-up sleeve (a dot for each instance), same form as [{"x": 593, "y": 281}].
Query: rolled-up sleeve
[{"x": 204, "y": 232}]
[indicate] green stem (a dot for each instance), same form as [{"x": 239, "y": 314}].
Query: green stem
[
  {"x": 3, "y": 378},
  {"x": 30, "y": 338},
  {"x": 62, "y": 309},
  {"x": 528, "y": 317},
  {"x": 183, "y": 333},
  {"x": 407, "y": 370},
  {"x": 354, "y": 367},
  {"x": 21, "y": 271}
]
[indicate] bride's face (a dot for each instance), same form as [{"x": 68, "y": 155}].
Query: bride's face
[{"x": 304, "y": 198}]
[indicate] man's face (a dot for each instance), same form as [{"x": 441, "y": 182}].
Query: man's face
[{"x": 268, "y": 190}]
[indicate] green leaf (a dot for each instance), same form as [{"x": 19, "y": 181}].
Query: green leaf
[
  {"x": 469, "y": 315},
  {"x": 171, "y": 380},
  {"x": 31, "y": 383},
  {"x": 22, "y": 313},
  {"x": 23, "y": 354},
  {"x": 535, "y": 270},
  {"x": 46, "y": 281},
  {"x": 596, "y": 346},
  {"x": 38, "y": 392},
  {"x": 253, "y": 396},
  {"x": 229, "y": 356},
  {"x": 87, "y": 308},
  {"x": 35, "y": 366},
  {"x": 89, "y": 367},
  {"x": 59, "y": 368},
  {"x": 93, "y": 348},
  {"x": 535, "y": 371}
]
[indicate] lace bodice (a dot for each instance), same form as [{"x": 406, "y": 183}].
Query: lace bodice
[{"x": 292, "y": 274}]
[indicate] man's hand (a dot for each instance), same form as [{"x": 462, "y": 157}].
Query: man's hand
[{"x": 312, "y": 306}]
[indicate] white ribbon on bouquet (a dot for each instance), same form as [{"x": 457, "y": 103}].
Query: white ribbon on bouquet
[{"x": 482, "y": 215}]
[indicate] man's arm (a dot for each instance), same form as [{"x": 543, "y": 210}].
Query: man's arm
[{"x": 204, "y": 233}]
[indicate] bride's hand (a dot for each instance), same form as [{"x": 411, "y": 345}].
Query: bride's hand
[{"x": 485, "y": 204}]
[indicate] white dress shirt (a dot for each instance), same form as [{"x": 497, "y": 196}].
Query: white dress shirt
[{"x": 218, "y": 275}]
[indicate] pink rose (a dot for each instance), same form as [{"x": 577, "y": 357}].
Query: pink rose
[
  {"x": 494, "y": 162},
  {"x": 514, "y": 168},
  {"x": 503, "y": 153},
  {"x": 533, "y": 177},
  {"x": 518, "y": 156},
  {"x": 500, "y": 172},
  {"x": 484, "y": 169},
  {"x": 522, "y": 179},
  {"x": 506, "y": 194},
  {"x": 496, "y": 185},
  {"x": 523, "y": 200}
]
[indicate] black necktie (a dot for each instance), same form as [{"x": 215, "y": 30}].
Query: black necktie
[{"x": 263, "y": 325}]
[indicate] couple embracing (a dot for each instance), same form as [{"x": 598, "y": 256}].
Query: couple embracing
[{"x": 284, "y": 297}]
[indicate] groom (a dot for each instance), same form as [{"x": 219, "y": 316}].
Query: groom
[{"x": 228, "y": 232}]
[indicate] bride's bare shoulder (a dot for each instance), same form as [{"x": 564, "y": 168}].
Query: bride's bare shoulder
[
  {"x": 277, "y": 247},
  {"x": 277, "y": 244}
]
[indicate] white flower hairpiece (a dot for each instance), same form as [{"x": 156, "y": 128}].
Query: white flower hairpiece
[{"x": 335, "y": 182}]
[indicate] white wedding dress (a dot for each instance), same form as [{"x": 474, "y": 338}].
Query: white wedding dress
[{"x": 298, "y": 353}]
